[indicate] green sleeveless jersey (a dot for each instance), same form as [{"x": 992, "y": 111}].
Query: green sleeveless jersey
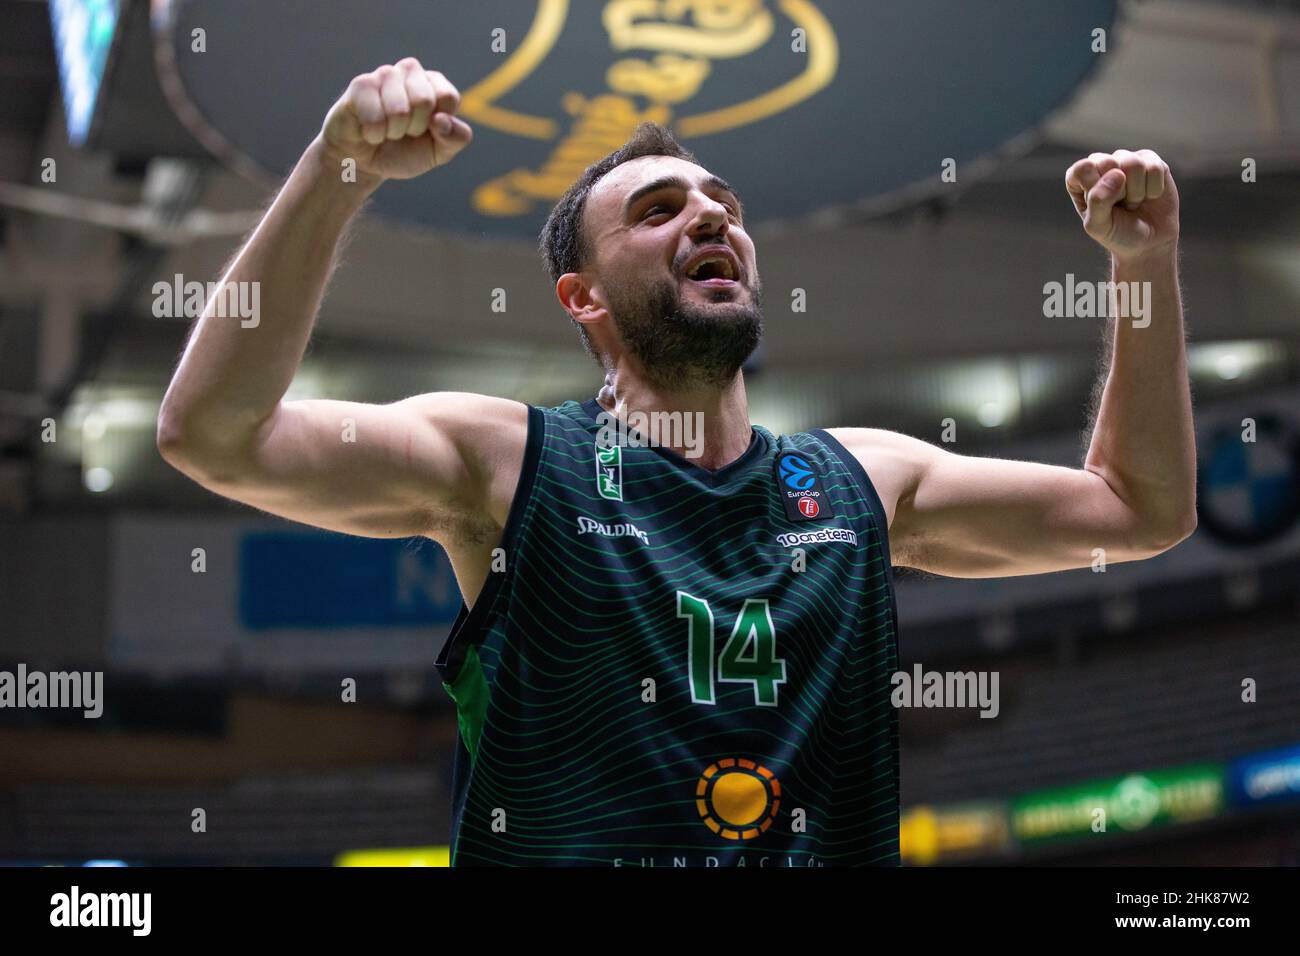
[{"x": 675, "y": 666}]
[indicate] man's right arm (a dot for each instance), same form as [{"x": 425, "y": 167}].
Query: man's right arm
[{"x": 375, "y": 470}]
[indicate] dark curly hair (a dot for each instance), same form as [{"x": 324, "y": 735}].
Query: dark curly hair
[{"x": 563, "y": 243}]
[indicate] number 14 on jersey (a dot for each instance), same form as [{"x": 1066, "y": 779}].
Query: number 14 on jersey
[{"x": 748, "y": 657}]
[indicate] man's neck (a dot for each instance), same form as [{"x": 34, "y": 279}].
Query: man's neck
[{"x": 709, "y": 426}]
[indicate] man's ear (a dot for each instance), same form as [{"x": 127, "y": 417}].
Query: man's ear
[{"x": 574, "y": 293}]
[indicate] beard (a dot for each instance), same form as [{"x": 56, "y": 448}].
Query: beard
[{"x": 684, "y": 344}]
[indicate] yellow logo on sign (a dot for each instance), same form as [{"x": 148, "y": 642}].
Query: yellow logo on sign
[{"x": 679, "y": 41}]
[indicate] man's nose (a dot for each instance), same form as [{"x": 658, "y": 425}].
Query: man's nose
[{"x": 710, "y": 218}]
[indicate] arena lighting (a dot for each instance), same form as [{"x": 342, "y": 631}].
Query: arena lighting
[
  {"x": 1228, "y": 366},
  {"x": 96, "y": 410},
  {"x": 1042, "y": 378},
  {"x": 98, "y": 479},
  {"x": 987, "y": 391},
  {"x": 167, "y": 181},
  {"x": 123, "y": 410},
  {"x": 83, "y": 35},
  {"x": 992, "y": 414},
  {"x": 1234, "y": 361},
  {"x": 94, "y": 427},
  {"x": 788, "y": 408}
]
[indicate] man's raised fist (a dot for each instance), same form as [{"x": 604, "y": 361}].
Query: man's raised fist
[
  {"x": 1127, "y": 200},
  {"x": 397, "y": 122}
]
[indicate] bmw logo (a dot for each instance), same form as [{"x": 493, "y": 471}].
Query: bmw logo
[{"x": 1249, "y": 491}]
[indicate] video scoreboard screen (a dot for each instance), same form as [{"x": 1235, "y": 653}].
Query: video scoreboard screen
[{"x": 83, "y": 36}]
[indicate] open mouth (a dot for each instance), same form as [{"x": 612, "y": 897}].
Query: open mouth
[{"x": 714, "y": 271}]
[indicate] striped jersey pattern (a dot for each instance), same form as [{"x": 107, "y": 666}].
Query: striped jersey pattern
[{"x": 671, "y": 667}]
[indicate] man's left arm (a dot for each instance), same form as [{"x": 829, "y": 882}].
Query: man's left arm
[{"x": 1135, "y": 495}]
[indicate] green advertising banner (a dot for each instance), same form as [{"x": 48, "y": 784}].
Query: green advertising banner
[{"x": 1120, "y": 805}]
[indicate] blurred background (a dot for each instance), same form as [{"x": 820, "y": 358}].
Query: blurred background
[{"x": 908, "y": 209}]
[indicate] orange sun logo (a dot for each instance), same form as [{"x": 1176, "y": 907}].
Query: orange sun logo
[{"x": 737, "y": 798}]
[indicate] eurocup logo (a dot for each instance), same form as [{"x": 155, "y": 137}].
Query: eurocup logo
[
  {"x": 796, "y": 473},
  {"x": 800, "y": 490}
]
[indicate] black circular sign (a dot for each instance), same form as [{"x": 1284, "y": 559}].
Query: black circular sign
[{"x": 802, "y": 104}]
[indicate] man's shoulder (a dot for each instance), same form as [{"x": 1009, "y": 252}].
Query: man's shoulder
[
  {"x": 469, "y": 409},
  {"x": 471, "y": 420},
  {"x": 894, "y": 462},
  {"x": 879, "y": 446}
]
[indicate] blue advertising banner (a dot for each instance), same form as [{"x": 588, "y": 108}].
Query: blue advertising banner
[
  {"x": 324, "y": 580},
  {"x": 1265, "y": 778}
]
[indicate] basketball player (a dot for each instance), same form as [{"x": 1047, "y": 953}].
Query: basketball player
[{"x": 667, "y": 656}]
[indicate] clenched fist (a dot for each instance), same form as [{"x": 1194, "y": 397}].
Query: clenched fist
[
  {"x": 397, "y": 122},
  {"x": 1127, "y": 201}
]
